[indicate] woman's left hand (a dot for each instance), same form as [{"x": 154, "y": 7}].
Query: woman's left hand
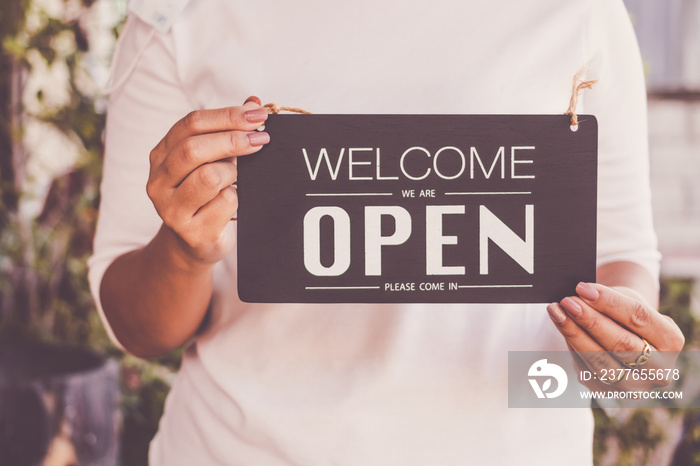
[{"x": 616, "y": 319}]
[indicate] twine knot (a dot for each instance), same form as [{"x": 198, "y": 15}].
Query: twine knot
[
  {"x": 273, "y": 108},
  {"x": 578, "y": 87}
]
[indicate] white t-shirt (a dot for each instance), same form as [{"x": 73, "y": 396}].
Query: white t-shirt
[{"x": 281, "y": 384}]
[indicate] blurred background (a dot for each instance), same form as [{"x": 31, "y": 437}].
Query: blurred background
[{"x": 68, "y": 397}]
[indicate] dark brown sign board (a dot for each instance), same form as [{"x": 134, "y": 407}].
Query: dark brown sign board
[{"x": 418, "y": 208}]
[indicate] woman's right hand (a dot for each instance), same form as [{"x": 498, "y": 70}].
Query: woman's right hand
[{"x": 193, "y": 169}]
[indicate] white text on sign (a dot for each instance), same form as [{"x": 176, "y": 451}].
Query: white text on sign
[
  {"x": 490, "y": 228},
  {"x": 357, "y": 158}
]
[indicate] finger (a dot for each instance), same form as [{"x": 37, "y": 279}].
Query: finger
[
  {"x": 201, "y": 186},
  {"x": 633, "y": 314},
  {"x": 206, "y": 148},
  {"x": 625, "y": 346},
  {"x": 574, "y": 335},
  {"x": 607, "y": 333},
  {"x": 584, "y": 362},
  {"x": 247, "y": 117},
  {"x": 595, "y": 355},
  {"x": 217, "y": 213}
]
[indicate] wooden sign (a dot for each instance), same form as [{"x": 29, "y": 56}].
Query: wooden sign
[{"x": 418, "y": 208}]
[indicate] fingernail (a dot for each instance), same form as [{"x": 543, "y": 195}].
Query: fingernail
[
  {"x": 252, "y": 98},
  {"x": 586, "y": 291},
  {"x": 572, "y": 307},
  {"x": 258, "y": 138},
  {"x": 555, "y": 313},
  {"x": 256, "y": 115}
]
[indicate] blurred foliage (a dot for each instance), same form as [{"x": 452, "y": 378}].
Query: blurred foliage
[
  {"x": 688, "y": 451},
  {"x": 677, "y": 304},
  {"x": 676, "y": 295},
  {"x": 43, "y": 284},
  {"x": 44, "y": 291},
  {"x": 637, "y": 435},
  {"x": 144, "y": 386}
]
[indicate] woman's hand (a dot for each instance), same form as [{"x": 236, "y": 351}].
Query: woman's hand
[
  {"x": 156, "y": 297},
  {"x": 616, "y": 319},
  {"x": 192, "y": 176}
]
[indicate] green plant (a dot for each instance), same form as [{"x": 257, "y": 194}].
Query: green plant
[
  {"x": 144, "y": 387},
  {"x": 43, "y": 287},
  {"x": 44, "y": 294},
  {"x": 634, "y": 436}
]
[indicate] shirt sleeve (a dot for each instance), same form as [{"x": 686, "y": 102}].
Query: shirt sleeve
[
  {"x": 146, "y": 103},
  {"x": 618, "y": 100}
]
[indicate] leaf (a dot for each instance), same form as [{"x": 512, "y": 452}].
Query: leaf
[{"x": 546, "y": 385}]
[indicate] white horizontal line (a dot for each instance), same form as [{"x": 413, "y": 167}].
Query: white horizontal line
[
  {"x": 485, "y": 193},
  {"x": 342, "y": 288},
  {"x": 347, "y": 194},
  {"x": 494, "y": 286}
]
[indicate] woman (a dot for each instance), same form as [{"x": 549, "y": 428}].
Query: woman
[{"x": 357, "y": 384}]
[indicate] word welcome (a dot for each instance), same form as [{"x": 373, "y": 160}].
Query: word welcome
[{"x": 370, "y": 166}]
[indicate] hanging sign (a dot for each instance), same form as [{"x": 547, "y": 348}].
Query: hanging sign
[{"x": 418, "y": 208}]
